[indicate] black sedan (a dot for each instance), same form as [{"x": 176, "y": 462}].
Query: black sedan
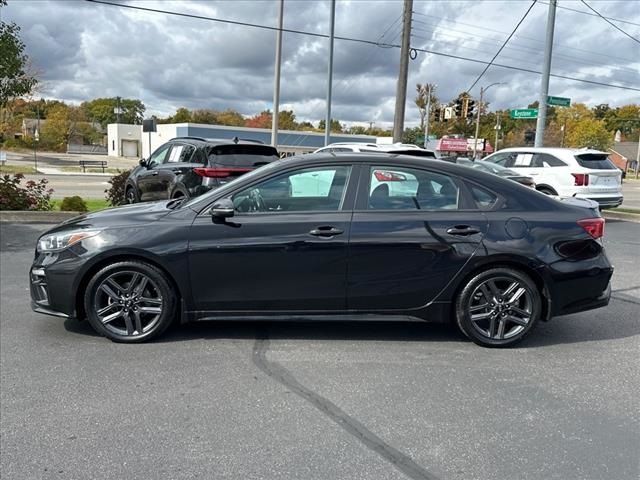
[{"x": 350, "y": 236}]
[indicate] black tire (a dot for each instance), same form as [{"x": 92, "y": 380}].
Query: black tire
[
  {"x": 498, "y": 320},
  {"x": 146, "y": 302},
  {"x": 131, "y": 195},
  {"x": 178, "y": 194},
  {"x": 547, "y": 191}
]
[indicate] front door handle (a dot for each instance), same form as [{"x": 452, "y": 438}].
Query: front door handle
[
  {"x": 155, "y": 173},
  {"x": 462, "y": 230},
  {"x": 325, "y": 231}
]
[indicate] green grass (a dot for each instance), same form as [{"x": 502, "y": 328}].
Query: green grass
[
  {"x": 626, "y": 210},
  {"x": 10, "y": 169},
  {"x": 93, "y": 204}
]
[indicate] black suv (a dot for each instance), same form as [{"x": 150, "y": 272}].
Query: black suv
[{"x": 191, "y": 166}]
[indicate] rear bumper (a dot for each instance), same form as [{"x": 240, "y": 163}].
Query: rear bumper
[
  {"x": 588, "y": 304},
  {"x": 604, "y": 201}
]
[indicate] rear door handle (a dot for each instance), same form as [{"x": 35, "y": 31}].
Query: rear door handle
[
  {"x": 462, "y": 230},
  {"x": 325, "y": 231},
  {"x": 155, "y": 173}
]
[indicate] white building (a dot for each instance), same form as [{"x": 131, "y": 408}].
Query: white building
[{"x": 289, "y": 141}]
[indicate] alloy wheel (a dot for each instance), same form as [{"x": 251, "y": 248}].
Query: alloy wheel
[
  {"x": 500, "y": 308},
  {"x": 128, "y": 303},
  {"x": 131, "y": 196}
]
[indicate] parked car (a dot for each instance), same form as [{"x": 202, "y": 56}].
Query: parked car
[
  {"x": 567, "y": 172},
  {"x": 394, "y": 148},
  {"x": 190, "y": 166},
  {"x": 501, "y": 172},
  {"x": 491, "y": 256}
]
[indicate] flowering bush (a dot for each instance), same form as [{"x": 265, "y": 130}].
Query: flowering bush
[{"x": 32, "y": 196}]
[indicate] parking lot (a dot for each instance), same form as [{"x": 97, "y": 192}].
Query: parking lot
[{"x": 335, "y": 400}]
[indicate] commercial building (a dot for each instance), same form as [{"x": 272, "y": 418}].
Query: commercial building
[{"x": 130, "y": 141}]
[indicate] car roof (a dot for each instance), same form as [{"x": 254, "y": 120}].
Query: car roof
[
  {"x": 219, "y": 141},
  {"x": 556, "y": 150}
]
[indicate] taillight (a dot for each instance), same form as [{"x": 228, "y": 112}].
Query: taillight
[
  {"x": 593, "y": 226},
  {"x": 580, "y": 179},
  {"x": 385, "y": 176},
  {"x": 220, "y": 172}
]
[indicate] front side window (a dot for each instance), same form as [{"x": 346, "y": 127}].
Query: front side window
[
  {"x": 305, "y": 190},
  {"x": 399, "y": 188}
]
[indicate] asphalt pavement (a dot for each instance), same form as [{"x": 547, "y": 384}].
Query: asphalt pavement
[{"x": 273, "y": 400}]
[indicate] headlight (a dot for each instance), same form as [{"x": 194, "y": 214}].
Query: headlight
[{"x": 59, "y": 241}]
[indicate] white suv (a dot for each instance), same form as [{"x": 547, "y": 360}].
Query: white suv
[
  {"x": 566, "y": 172},
  {"x": 397, "y": 148}
]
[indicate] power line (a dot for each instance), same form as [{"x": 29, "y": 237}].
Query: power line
[
  {"x": 612, "y": 24},
  {"x": 356, "y": 40},
  {"x": 527, "y": 70},
  {"x": 502, "y": 47},
  {"x": 593, "y": 14}
]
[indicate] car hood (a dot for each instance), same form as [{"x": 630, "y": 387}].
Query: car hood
[{"x": 137, "y": 214}]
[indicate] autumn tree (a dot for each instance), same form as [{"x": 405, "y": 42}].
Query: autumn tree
[
  {"x": 589, "y": 133},
  {"x": 261, "y": 120}
]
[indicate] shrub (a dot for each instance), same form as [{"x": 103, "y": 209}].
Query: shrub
[
  {"x": 73, "y": 204},
  {"x": 32, "y": 196},
  {"x": 115, "y": 193}
]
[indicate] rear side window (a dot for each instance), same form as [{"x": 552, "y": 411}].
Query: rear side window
[
  {"x": 499, "y": 158},
  {"x": 485, "y": 200},
  {"x": 599, "y": 161},
  {"x": 546, "y": 160},
  {"x": 242, "y": 156}
]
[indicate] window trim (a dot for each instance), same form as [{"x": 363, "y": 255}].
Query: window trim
[{"x": 346, "y": 205}]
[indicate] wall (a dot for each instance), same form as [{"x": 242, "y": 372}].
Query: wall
[{"x": 116, "y": 132}]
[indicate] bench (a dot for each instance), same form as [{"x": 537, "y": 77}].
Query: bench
[{"x": 92, "y": 163}]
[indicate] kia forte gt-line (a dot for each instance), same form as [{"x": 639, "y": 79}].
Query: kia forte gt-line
[{"x": 345, "y": 236}]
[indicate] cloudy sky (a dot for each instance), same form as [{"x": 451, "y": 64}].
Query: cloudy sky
[{"x": 86, "y": 50}]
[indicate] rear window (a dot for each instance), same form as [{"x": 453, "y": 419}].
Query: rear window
[
  {"x": 242, "y": 156},
  {"x": 599, "y": 161}
]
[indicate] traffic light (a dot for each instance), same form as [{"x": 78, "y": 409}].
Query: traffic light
[
  {"x": 437, "y": 115},
  {"x": 529, "y": 136},
  {"x": 470, "y": 108},
  {"x": 458, "y": 107}
]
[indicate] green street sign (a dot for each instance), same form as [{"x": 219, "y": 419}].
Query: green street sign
[
  {"x": 524, "y": 113},
  {"x": 559, "y": 101}
]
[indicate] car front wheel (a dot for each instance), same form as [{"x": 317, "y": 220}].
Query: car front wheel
[
  {"x": 131, "y": 196},
  {"x": 130, "y": 302},
  {"x": 498, "y": 307}
]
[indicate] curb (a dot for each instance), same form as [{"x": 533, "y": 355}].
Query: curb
[
  {"x": 21, "y": 216},
  {"x": 627, "y": 217}
]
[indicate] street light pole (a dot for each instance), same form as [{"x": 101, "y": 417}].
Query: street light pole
[
  {"x": 426, "y": 127},
  {"x": 327, "y": 125},
  {"x": 475, "y": 140}
]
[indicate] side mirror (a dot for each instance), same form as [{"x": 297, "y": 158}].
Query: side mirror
[
  {"x": 223, "y": 208},
  {"x": 143, "y": 162}
]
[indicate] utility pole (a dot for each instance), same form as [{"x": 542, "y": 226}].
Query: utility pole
[
  {"x": 428, "y": 115},
  {"x": 546, "y": 70},
  {"x": 564, "y": 130},
  {"x": 117, "y": 109},
  {"x": 276, "y": 83},
  {"x": 327, "y": 125},
  {"x": 401, "y": 91}
]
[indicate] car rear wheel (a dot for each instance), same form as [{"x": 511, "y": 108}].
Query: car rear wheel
[
  {"x": 498, "y": 307},
  {"x": 131, "y": 196},
  {"x": 130, "y": 302}
]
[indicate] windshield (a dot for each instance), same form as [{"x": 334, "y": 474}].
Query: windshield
[{"x": 227, "y": 186}]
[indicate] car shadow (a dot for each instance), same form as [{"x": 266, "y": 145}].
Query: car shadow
[
  {"x": 577, "y": 328},
  {"x": 314, "y": 330}
]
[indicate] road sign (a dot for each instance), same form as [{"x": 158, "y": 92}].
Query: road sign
[
  {"x": 524, "y": 113},
  {"x": 559, "y": 101}
]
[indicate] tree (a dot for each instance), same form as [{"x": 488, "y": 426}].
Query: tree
[
  {"x": 102, "y": 110},
  {"x": 287, "y": 120},
  {"x": 600, "y": 111},
  {"x": 626, "y": 119},
  {"x": 262, "y": 120},
  {"x": 336, "y": 126},
  {"x": 230, "y": 117},
  {"x": 16, "y": 79},
  {"x": 589, "y": 133},
  {"x": 182, "y": 115}
]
